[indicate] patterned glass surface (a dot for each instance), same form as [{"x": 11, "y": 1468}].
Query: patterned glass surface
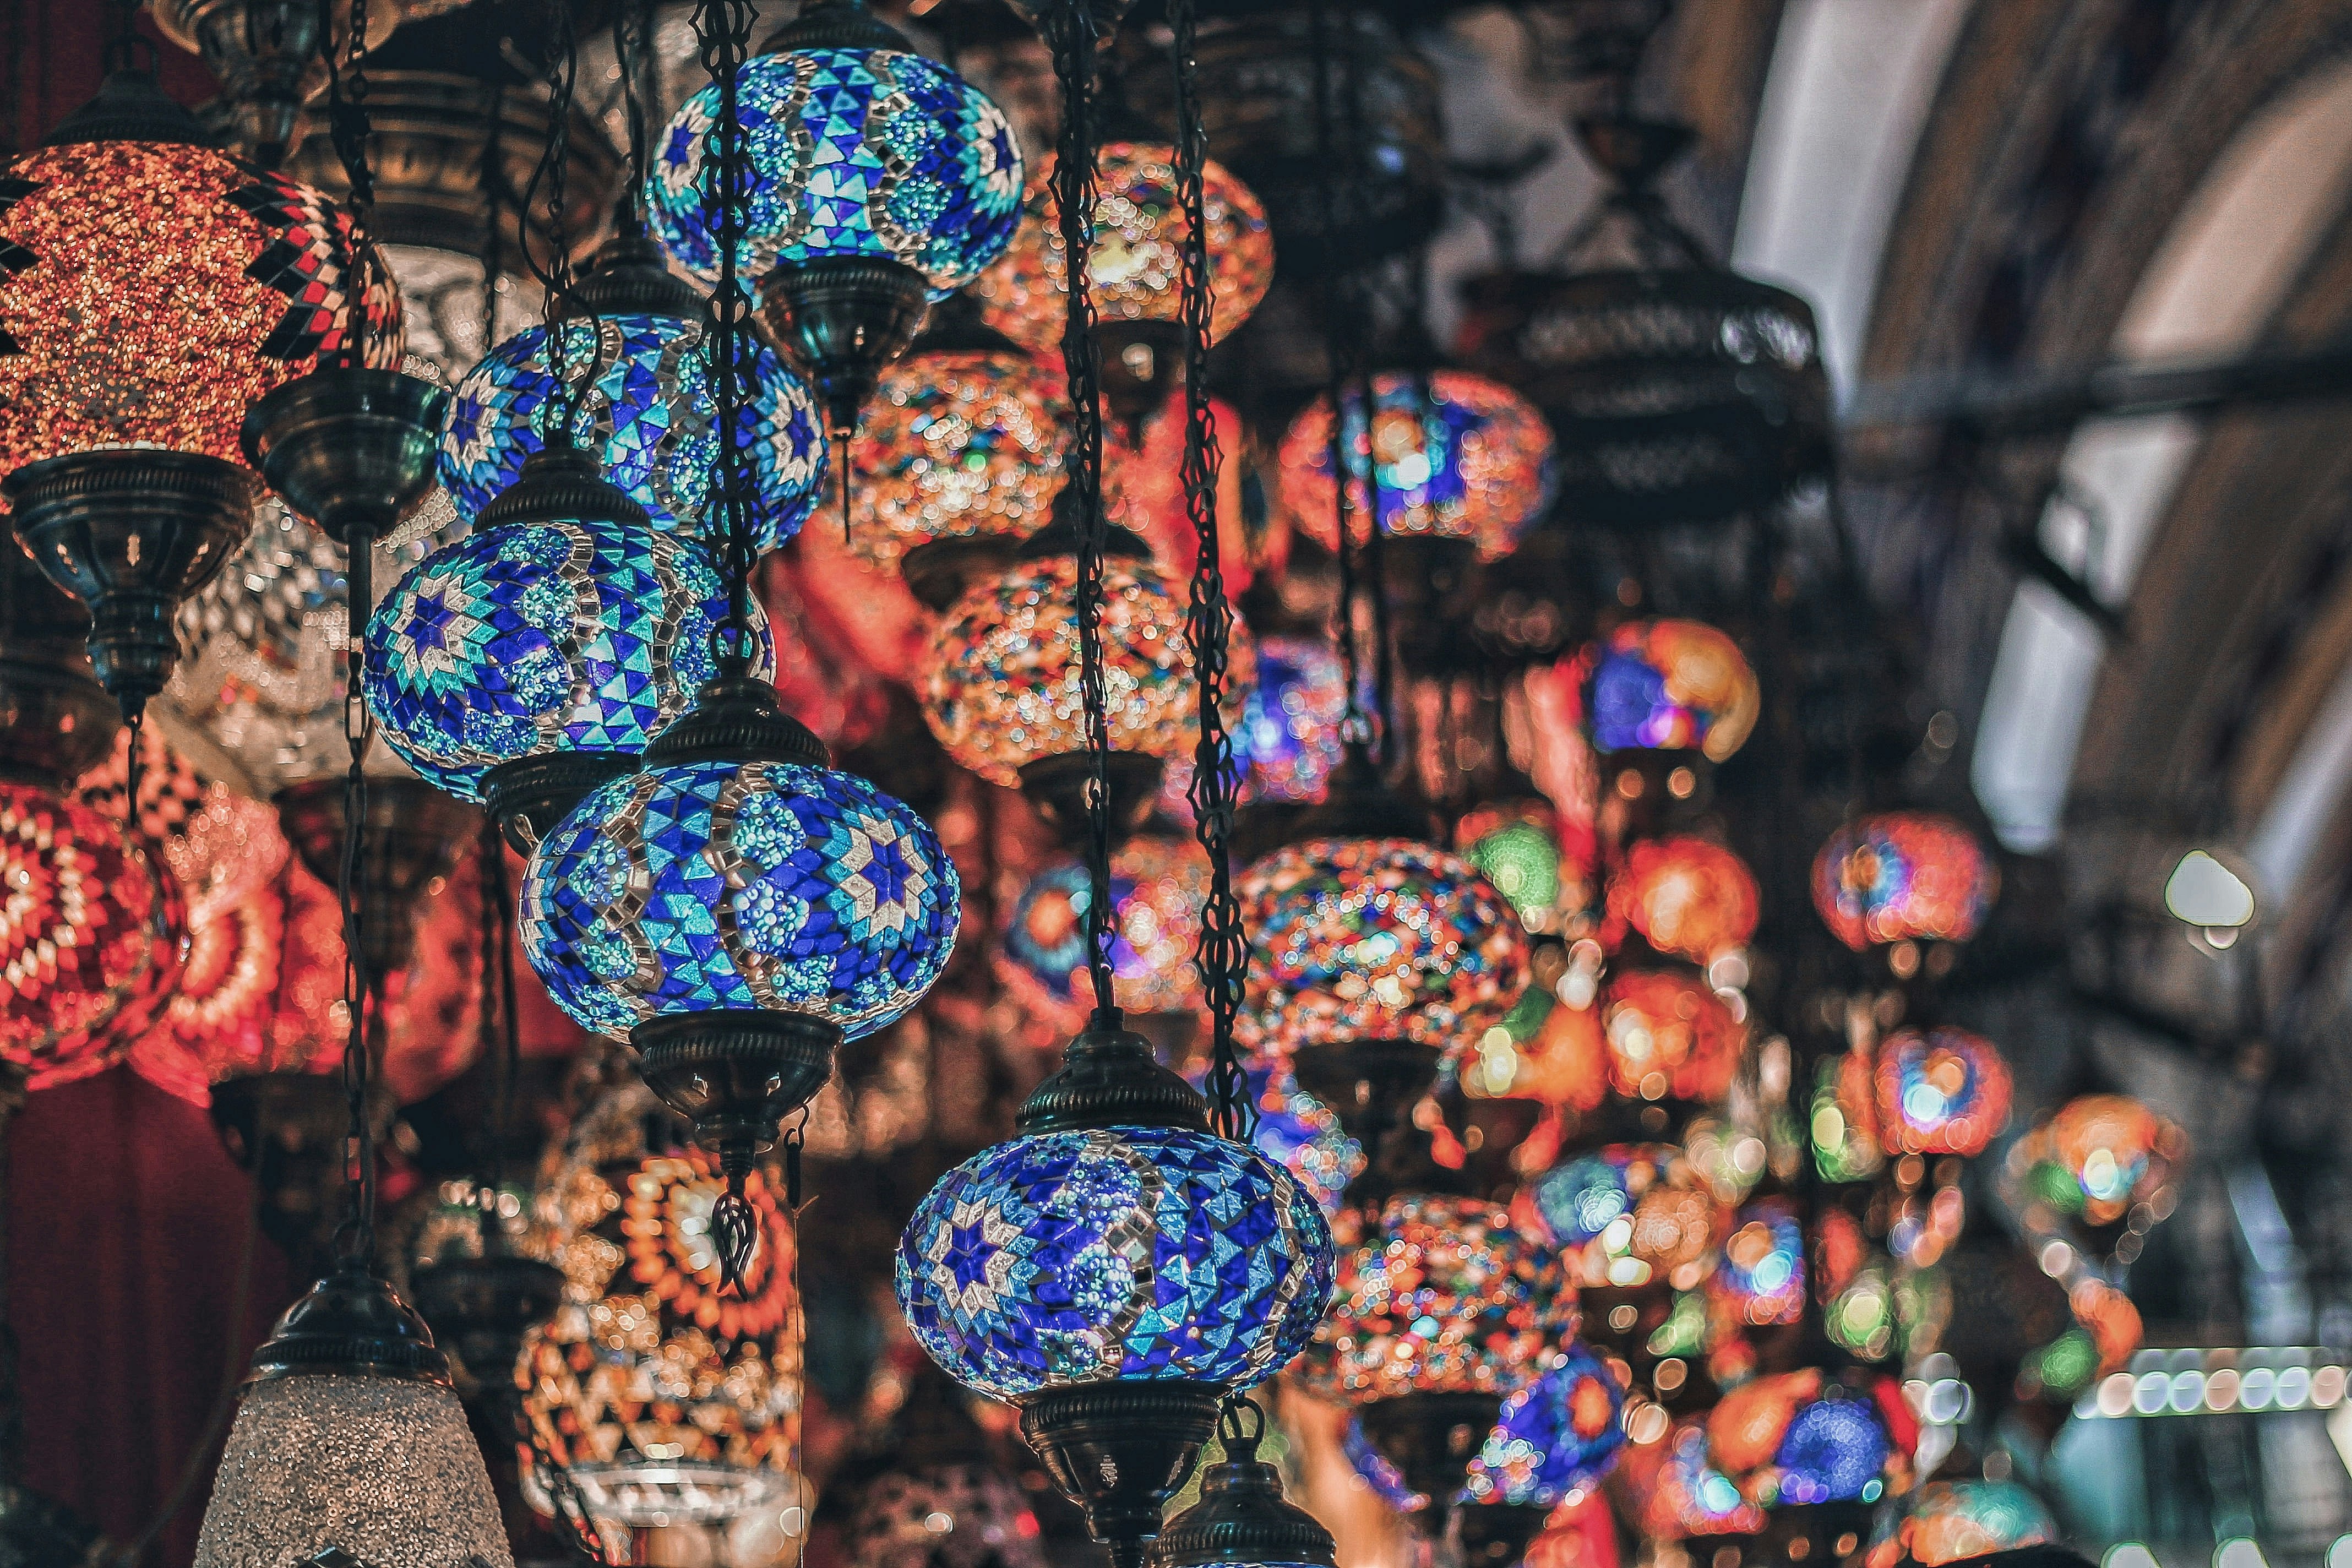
[
  {"x": 1437, "y": 1294},
  {"x": 718, "y": 885},
  {"x": 956, "y": 445},
  {"x": 855, "y": 153},
  {"x": 1157, "y": 888},
  {"x": 1456, "y": 457},
  {"x": 1686, "y": 895},
  {"x": 1553, "y": 1438},
  {"x": 1672, "y": 686},
  {"x": 1627, "y": 1214},
  {"x": 576, "y": 635},
  {"x": 1375, "y": 939},
  {"x": 646, "y": 412},
  {"x": 1125, "y": 1252},
  {"x": 1907, "y": 876},
  {"x": 1940, "y": 1092}
]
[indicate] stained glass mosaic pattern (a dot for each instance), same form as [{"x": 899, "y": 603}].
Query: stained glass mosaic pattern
[
  {"x": 149, "y": 292},
  {"x": 1673, "y": 686},
  {"x": 1302, "y": 1134},
  {"x": 1668, "y": 1035},
  {"x": 1003, "y": 688},
  {"x": 577, "y": 635},
  {"x": 1137, "y": 269},
  {"x": 1940, "y": 1092},
  {"x": 1453, "y": 456},
  {"x": 1516, "y": 844},
  {"x": 1686, "y": 895},
  {"x": 716, "y": 886},
  {"x": 1905, "y": 875},
  {"x": 88, "y": 939},
  {"x": 1125, "y": 1252},
  {"x": 1157, "y": 886},
  {"x": 1357, "y": 939},
  {"x": 645, "y": 409},
  {"x": 1437, "y": 1294},
  {"x": 1626, "y": 1214},
  {"x": 956, "y": 445},
  {"x": 855, "y": 153},
  {"x": 1555, "y": 1438}
]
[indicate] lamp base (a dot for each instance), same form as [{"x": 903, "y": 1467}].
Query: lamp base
[
  {"x": 1058, "y": 787},
  {"x": 352, "y": 450},
  {"x": 1431, "y": 1438},
  {"x": 411, "y": 835},
  {"x": 131, "y": 531},
  {"x": 939, "y": 572},
  {"x": 1120, "y": 1449},
  {"x": 736, "y": 1075},
  {"x": 842, "y": 319},
  {"x": 530, "y": 795}
]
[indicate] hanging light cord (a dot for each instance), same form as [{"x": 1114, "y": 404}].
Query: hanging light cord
[
  {"x": 1355, "y": 726},
  {"x": 355, "y": 1236},
  {"x": 1225, "y": 953},
  {"x": 555, "y": 274},
  {"x": 349, "y": 127},
  {"x": 632, "y": 48},
  {"x": 1071, "y": 32},
  {"x": 500, "y": 1039},
  {"x": 494, "y": 195}
]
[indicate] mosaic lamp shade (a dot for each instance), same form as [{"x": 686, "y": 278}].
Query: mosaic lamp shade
[
  {"x": 1291, "y": 719},
  {"x": 1518, "y": 844},
  {"x": 1691, "y": 1496},
  {"x": 1948, "y": 1520},
  {"x": 1800, "y": 1438},
  {"x": 1555, "y": 1437},
  {"x": 1300, "y": 1132},
  {"x": 641, "y": 401},
  {"x": 956, "y": 445},
  {"x": 1453, "y": 456},
  {"x": 1157, "y": 886},
  {"x": 1136, "y": 271},
  {"x": 1941, "y": 1090},
  {"x": 1673, "y": 686},
  {"x": 151, "y": 289},
  {"x": 1626, "y": 1214},
  {"x": 1668, "y": 1036},
  {"x": 1361, "y": 939},
  {"x": 857, "y": 152},
  {"x": 1437, "y": 1294},
  {"x": 1685, "y": 895},
  {"x": 1905, "y": 876},
  {"x": 92, "y": 941},
  {"x": 2101, "y": 1156},
  {"x": 564, "y": 624}
]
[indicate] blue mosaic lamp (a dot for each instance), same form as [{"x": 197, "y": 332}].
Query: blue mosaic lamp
[
  {"x": 534, "y": 659},
  {"x": 735, "y": 909},
  {"x": 1116, "y": 1271},
  {"x": 643, "y": 404},
  {"x": 882, "y": 180}
]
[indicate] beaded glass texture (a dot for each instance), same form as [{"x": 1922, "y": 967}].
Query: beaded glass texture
[
  {"x": 644, "y": 408},
  {"x": 1625, "y": 1214},
  {"x": 872, "y": 152},
  {"x": 1555, "y": 1438},
  {"x": 1940, "y": 1092},
  {"x": 1157, "y": 888},
  {"x": 1673, "y": 686},
  {"x": 718, "y": 885},
  {"x": 1667, "y": 1035},
  {"x": 1132, "y": 1253},
  {"x": 956, "y": 445},
  {"x": 1905, "y": 876}
]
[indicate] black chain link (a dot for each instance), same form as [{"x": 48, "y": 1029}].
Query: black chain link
[
  {"x": 355, "y": 1235},
  {"x": 724, "y": 29},
  {"x": 555, "y": 274},
  {"x": 349, "y": 127},
  {"x": 632, "y": 48},
  {"x": 1071, "y": 32},
  {"x": 1209, "y": 619}
]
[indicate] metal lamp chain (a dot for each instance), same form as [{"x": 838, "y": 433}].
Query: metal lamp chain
[
  {"x": 1073, "y": 38},
  {"x": 357, "y": 1230},
  {"x": 348, "y": 128},
  {"x": 555, "y": 273},
  {"x": 724, "y": 30},
  {"x": 632, "y": 46},
  {"x": 1224, "y": 954}
]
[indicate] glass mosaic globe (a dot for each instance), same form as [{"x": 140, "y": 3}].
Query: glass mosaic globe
[
  {"x": 1626, "y": 1214},
  {"x": 1761, "y": 1280},
  {"x": 1940, "y": 1092},
  {"x": 1948, "y": 1520},
  {"x": 1137, "y": 270},
  {"x": 1003, "y": 689},
  {"x": 1453, "y": 456},
  {"x": 152, "y": 289},
  {"x": 645, "y": 410},
  {"x": 583, "y": 634},
  {"x": 2099, "y": 1156},
  {"x": 1519, "y": 844},
  {"x": 1669, "y": 1036},
  {"x": 1672, "y": 686},
  {"x": 1157, "y": 886},
  {"x": 716, "y": 886},
  {"x": 956, "y": 445},
  {"x": 1905, "y": 875},
  {"x": 1357, "y": 939},
  {"x": 1555, "y": 1437},
  {"x": 1436, "y": 1294},
  {"x": 1291, "y": 719},
  {"x": 90, "y": 937},
  {"x": 1687, "y": 896},
  {"x": 855, "y": 153},
  {"x": 1128, "y": 1253},
  {"x": 1796, "y": 1439},
  {"x": 1304, "y": 1136}
]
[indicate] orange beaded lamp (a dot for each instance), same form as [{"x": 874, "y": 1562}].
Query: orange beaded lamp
[
  {"x": 1669, "y": 1036},
  {"x": 1684, "y": 896}
]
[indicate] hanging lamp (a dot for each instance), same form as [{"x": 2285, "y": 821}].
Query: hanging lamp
[{"x": 1242, "y": 1521}]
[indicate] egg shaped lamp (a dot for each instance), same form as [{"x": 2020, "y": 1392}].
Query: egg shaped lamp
[
  {"x": 151, "y": 288},
  {"x": 1242, "y": 1521},
  {"x": 535, "y": 658},
  {"x": 1116, "y": 1271},
  {"x": 735, "y": 909},
  {"x": 349, "y": 1446},
  {"x": 638, "y": 377},
  {"x": 881, "y": 179}
]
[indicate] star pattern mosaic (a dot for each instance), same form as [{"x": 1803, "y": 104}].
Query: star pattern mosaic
[
  {"x": 646, "y": 409},
  {"x": 576, "y": 635},
  {"x": 719, "y": 885},
  {"x": 855, "y": 153},
  {"x": 1127, "y": 1252}
]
